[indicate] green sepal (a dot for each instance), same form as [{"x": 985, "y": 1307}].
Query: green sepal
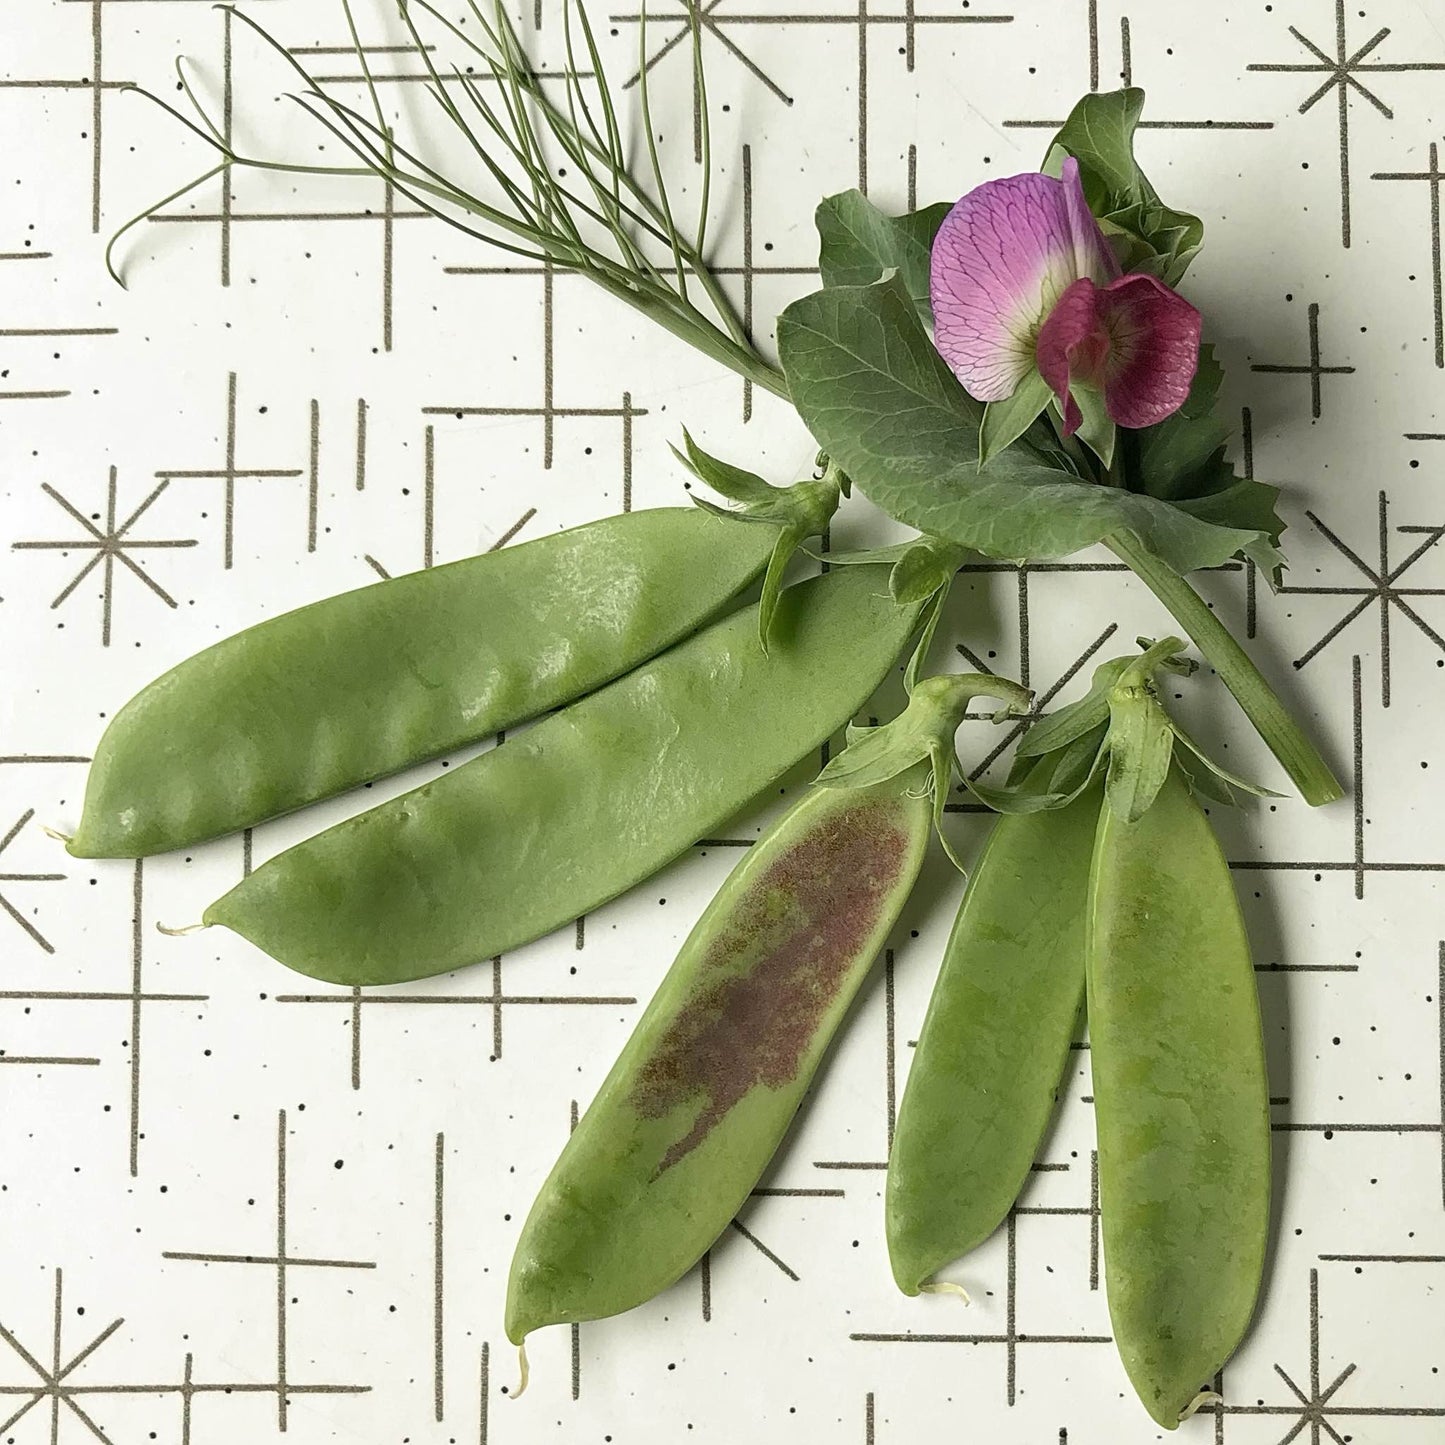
[
  {"x": 1232, "y": 782},
  {"x": 1096, "y": 430},
  {"x": 1120, "y": 723},
  {"x": 924, "y": 731},
  {"x": 1141, "y": 734},
  {"x": 1141, "y": 746},
  {"x": 800, "y": 511},
  {"x": 1041, "y": 784},
  {"x": 1061, "y": 728},
  {"x": 921, "y": 573},
  {"x": 1201, "y": 780},
  {"x": 1078, "y": 764},
  {"x": 1004, "y": 422},
  {"x": 926, "y": 567},
  {"x": 920, "y": 566},
  {"x": 919, "y": 657}
]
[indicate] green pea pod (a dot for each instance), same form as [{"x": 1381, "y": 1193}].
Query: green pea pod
[
  {"x": 1180, "y": 1098},
  {"x": 323, "y": 699},
  {"x": 714, "y": 1072},
  {"x": 579, "y": 808},
  {"x": 994, "y": 1042},
  {"x": 701, "y": 1095}
]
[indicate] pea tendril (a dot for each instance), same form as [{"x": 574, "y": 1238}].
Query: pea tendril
[{"x": 607, "y": 224}]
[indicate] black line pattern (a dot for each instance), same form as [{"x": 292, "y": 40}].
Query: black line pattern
[{"x": 410, "y": 452}]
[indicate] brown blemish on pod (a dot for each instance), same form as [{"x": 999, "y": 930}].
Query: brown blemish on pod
[{"x": 801, "y": 925}]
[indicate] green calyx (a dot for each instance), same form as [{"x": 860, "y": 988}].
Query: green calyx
[
  {"x": 799, "y": 511},
  {"x": 921, "y": 571},
  {"x": 1121, "y": 729},
  {"x": 923, "y": 731}
]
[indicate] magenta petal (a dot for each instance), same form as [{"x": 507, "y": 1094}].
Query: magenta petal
[
  {"x": 1153, "y": 349},
  {"x": 1002, "y": 257},
  {"x": 1070, "y": 346},
  {"x": 1135, "y": 338}
]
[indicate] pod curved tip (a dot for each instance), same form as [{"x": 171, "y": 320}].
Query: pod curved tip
[
  {"x": 180, "y": 932},
  {"x": 1201, "y": 1401},
  {"x": 57, "y": 835},
  {"x": 523, "y": 1369},
  {"x": 945, "y": 1286}
]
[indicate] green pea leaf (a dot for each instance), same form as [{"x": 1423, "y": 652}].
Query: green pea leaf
[
  {"x": 880, "y": 401},
  {"x": 1099, "y": 134},
  {"x": 1004, "y": 422},
  {"x": 1141, "y": 745},
  {"x": 1147, "y": 235},
  {"x": 859, "y": 244}
]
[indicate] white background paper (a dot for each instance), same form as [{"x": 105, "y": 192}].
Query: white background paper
[{"x": 159, "y": 1091}]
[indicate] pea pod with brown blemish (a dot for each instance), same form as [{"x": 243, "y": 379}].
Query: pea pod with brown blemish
[
  {"x": 1181, "y": 1098},
  {"x": 704, "y": 1090},
  {"x": 316, "y": 701},
  {"x": 577, "y": 809}
]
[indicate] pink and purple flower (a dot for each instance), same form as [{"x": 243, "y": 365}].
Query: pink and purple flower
[{"x": 1024, "y": 282}]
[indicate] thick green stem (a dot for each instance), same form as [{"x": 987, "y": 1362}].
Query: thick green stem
[{"x": 1286, "y": 739}]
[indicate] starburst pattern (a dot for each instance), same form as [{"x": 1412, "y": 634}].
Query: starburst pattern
[
  {"x": 1342, "y": 71},
  {"x": 110, "y": 545}
]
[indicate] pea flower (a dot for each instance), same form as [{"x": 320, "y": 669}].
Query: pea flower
[{"x": 1028, "y": 299}]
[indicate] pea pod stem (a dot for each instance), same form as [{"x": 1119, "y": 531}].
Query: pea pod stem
[
  {"x": 1285, "y": 738},
  {"x": 924, "y": 731}
]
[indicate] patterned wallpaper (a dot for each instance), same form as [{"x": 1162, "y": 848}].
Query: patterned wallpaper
[{"x": 235, "y": 1204}]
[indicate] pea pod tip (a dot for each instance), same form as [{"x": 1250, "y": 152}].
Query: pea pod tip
[
  {"x": 1204, "y": 1400},
  {"x": 524, "y": 1370},
  {"x": 945, "y": 1286}
]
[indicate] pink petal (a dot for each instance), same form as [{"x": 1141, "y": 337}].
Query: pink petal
[
  {"x": 1071, "y": 345},
  {"x": 1002, "y": 257},
  {"x": 1154, "y": 352},
  {"x": 1135, "y": 338}
]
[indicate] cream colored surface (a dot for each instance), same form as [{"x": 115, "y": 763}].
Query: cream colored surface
[{"x": 297, "y": 1205}]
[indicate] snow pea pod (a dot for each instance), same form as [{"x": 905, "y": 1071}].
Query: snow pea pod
[
  {"x": 579, "y": 808},
  {"x": 994, "y": 1042},
  {"x": 325, "y": 698},
  {"x": 1181, "y": 1099},
  {"x": 704, "y": 1090},
  {"x": 699, "y": 1100}
]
